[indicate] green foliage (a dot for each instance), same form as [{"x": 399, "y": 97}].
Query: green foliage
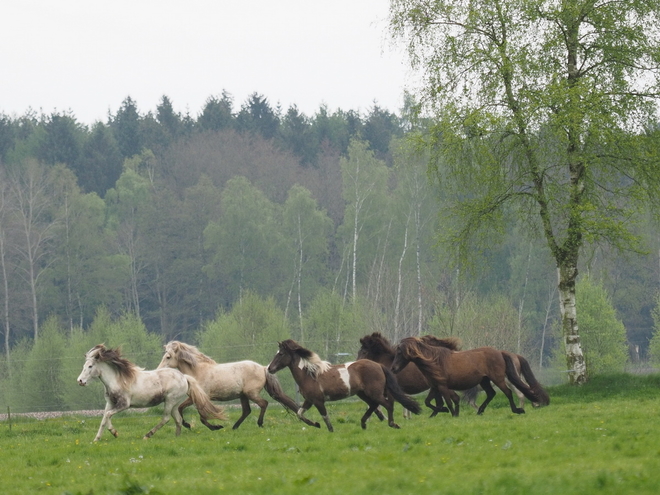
[
  {"x": 603, "y": 334},
  {"x": 250, "y": 330},
  {"x": 41, "y": 379},
  {"x": 483, "y": 321},
  {"x": 654, "y": 345},
  {"x": 333, "y": 327}
]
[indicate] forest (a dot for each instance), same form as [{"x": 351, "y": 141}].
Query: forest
[{"x": 244, "y": 225}]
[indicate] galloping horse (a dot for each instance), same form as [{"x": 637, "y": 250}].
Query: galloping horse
[
  {"x": 448, "y": 370},
  {"x": 319, "y": 381},
  {"x": 127, "y": 385},
  {"x": 377, "y": 348},
  {"x": 521, "y": 366},
  {"x": 242, "y": 380}
]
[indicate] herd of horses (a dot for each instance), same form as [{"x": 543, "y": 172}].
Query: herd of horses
[{"x": 382, "y": 375}]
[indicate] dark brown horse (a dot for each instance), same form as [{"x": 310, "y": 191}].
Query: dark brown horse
[
  {"x": 377, "y": 348},
  {"x": 319, "y": 381},
  {"x": 448, "y": 370}
]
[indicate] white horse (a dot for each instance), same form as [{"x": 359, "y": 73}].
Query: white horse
[
  {"x": 127, "y": 385},
  {"x": 242, "y": 380}
]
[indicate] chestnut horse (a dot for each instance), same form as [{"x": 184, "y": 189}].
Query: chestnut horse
[
  {"x": 242, "y": 380},
  {"x": 448, "y": 370},
  {"x": 127, "y": 385},
  {"x": 319, "y": 381},
  {"x": 377, "y": 348}
]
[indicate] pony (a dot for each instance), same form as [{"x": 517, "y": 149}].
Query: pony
[
  {"x": 319, "y": 381},
  {"x": 448, "y": 369},
  {"x": 521, "y": 366},
  {"x": 127, "y": 385},
  {"x": 242, "y": 380},
  {"x": 377, "y": 348}
]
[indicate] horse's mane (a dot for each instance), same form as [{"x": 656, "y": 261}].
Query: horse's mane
[
  {"x": 417, "y": 348},
  {"x": 187, "y": 353},
  {"x": 452, "y": 343},
  {"x": 309, "y": 360},
  {"x": 126, "y": 370},
  {"x": 376, "y": 344}
]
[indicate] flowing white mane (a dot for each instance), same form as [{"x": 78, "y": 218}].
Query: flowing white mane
[{"x": 314, "y": 365}]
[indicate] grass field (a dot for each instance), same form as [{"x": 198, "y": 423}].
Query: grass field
[{"x": 603, "y": 437}]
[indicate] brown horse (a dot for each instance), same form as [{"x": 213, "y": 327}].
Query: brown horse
[
  {"x": 448, "y": 370},
  {"x": 522, "y": 367},
  {"x": 377, "y": 348},
  {"x": 242, "y": 380},
  {"x": 319, "y": 381}
]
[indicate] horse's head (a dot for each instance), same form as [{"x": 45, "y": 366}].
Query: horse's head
[
  {"x": 91, "y": 367},
  {"x": 284, "y": 356},
  {"x": 374, "y": 346},
  {"x": 171, "y": 357},
  {"x": 404, "y": 353}
]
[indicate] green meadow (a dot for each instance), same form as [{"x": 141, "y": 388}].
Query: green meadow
[{"x": 603, "y": 437}]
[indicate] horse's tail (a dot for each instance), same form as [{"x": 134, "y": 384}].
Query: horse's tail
[
  {"x": 206, "y": 408},
  {"x": 276, "y": 391},
  {"x": 534, "y": 385},
  {"x": 470, "y": 396},
  {"x": 399, "y": 395},
  {"x": 514, "y": 378}
]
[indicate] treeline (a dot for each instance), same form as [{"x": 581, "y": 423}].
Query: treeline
[{"x": 176, "y": 221}]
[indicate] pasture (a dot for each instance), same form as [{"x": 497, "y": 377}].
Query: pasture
[{"x": 603, "y": 437}]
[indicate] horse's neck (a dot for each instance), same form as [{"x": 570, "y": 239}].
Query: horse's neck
[
  {"x": 386, "y": 359},
  {"x": 300, "y": 375},
  {"x": 186, "y": 369},
  {"x": 110, "y": 378}
]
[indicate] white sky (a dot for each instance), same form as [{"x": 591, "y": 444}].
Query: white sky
[{"x": 87, "y": 56}]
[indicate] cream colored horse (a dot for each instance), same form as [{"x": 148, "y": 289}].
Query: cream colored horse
[
  {"x": 242, "y": 380},
  {"x": 127, "y": 385}
]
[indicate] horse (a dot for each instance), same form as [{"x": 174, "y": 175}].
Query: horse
[
  {"x": 128, "y": 385},
  {"x": 522, "y": 367},
  {"x": 448, "y": 369},
  {"x": 319, "y": 381},
  {"x": 377, "y": 348},
  {"x": 242, "y": 380}
]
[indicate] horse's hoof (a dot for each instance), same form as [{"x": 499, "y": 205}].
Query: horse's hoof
[
  {"x": 185, "y": 425},
  {"x": 364, "y": 426},
  {"x": 217, "y": 427},
  {"x": 395, "y": 426},
  {"x": 114, "y": 432},
  {"x": 519, "y": 411},
  {"x": 317, "y": 425}
]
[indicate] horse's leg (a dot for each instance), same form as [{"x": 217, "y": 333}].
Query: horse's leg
[
  {"x": 521, "y": 396},
  {"x": 263, "y": 405},
  {"x": 439, "y": 403},
  {"x": 379, "y": 414},
  {"x": 451, "y": 398},
  {"x": 373, "y": 407},
  {"x": 501, "y": 384},
  {"x": 320, "y": 406},
  {"x": 167, "y": 411},
  {"x": 182, "y": 406},
  {"x": 246, "y": 410},
  {"x": 121, "y": 405},
  {"x": 490, "y": 393},
  {"x": 301, "y": 414}
]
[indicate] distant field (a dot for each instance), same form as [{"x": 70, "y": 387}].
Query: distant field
[{"x": 600, "y": 438}]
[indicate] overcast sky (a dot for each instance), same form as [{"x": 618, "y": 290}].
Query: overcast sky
[{"x": 87, "y": 56}]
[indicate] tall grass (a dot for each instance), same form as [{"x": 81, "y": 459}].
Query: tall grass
[{"x": 599, "y": 438}]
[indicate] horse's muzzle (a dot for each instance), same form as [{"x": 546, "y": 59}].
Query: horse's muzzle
[{"x": 82, "y": 383}]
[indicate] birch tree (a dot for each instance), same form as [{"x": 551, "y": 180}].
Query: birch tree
[
  {"x": 542, "y": 107},
  {"x": 364, "y": 179}
]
